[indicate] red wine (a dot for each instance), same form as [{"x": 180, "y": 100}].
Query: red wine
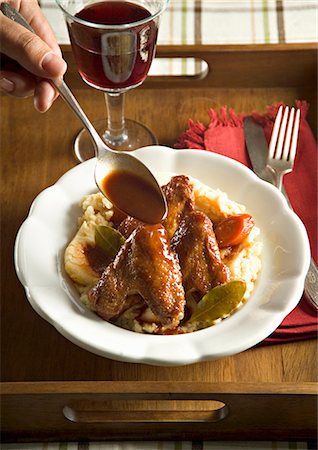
[{"x": 111, "y": 58}]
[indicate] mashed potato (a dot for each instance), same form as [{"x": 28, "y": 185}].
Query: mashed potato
[
  {"x": 96, "y": 210},
  {"x": 243, "y": 261}
]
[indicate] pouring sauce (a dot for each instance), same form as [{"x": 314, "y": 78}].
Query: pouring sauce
[{"x": 134, "y": 196}]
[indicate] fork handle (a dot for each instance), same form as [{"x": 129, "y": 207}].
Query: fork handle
[
  {"x": 311, "y": 280},
  {"x": 311, "y": 284},
  {"x": 279, "y": 180}
]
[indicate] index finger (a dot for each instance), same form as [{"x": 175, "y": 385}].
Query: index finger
[
  {"x": 32, "y": 12},
  {"x": 29, "y": 50}
]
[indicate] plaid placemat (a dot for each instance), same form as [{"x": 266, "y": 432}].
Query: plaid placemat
[
  {"x": 187, "y": 445},
  {"x": 224, "y": 21},
  {"x": 188, "y": 22}
]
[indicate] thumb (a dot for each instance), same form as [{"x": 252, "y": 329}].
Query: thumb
[{"x": 29, "y": 50}]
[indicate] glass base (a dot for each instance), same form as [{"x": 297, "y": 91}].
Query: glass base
[{"x": 137, "y": 136}]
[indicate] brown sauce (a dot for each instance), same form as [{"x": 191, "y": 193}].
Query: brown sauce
[
  {"x": 97, "y": 258},
  {"x": 133, "y": 195}
]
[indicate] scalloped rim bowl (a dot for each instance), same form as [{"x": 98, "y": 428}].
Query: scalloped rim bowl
[{"x": 51, "y": 224}]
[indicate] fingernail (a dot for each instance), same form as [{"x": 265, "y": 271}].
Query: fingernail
[
  {"x": 7, "y": 85},
  {"x": 52, "y": 63}
]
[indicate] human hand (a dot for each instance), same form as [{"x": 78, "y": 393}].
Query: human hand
[{"x": 28, "y": 60}]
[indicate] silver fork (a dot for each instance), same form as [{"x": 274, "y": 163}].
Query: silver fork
[
  {"x": 281, "y": 157},
  {"x": 283, "y": 144}
]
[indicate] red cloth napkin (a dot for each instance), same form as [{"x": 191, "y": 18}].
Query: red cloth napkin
[{"x": 225, "y": 135}]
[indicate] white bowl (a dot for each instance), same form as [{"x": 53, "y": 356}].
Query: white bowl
[{"x": 51, "y": 224}]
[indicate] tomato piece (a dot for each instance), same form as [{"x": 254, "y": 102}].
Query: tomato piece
[{"x": 233, "y": 230}]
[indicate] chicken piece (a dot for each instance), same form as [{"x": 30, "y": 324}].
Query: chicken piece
[
  {"x": 144, "y": 265},
  {"x": 180, "y": 200},
  {"x": 128, "y": 225},
  {"x": 199, "y": 255}
]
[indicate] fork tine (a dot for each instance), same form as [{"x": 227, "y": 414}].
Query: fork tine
[
  {"x": 272, "y": 144},
  {"x": 281, "y": 136},
  {"x": 288, "y": 134},
  {"x": 292, "y": 152},
  {"x": 281, "y": 162}
]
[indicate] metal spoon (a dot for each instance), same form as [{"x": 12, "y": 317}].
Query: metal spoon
[{"x": 108, "y": 160}]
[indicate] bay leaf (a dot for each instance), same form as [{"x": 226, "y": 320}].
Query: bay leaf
[
  {"x": 109, "y": 239},
  {"x": 219, "y": 302}
]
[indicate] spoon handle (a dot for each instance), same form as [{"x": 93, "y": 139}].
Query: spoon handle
[
  {"x": 69, "y": 98},
  {"x": 14, "y": 15},
  {"x": 60, "y": 85}
]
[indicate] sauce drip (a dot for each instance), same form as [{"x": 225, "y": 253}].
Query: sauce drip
[
  {"x": 134, "y": 196},
  {"x": 97, "y": 258}
]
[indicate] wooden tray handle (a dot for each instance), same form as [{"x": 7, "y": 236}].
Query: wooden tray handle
[
  {"x": 155, "y": 411},
  {"x": 138, "y": 410},
  {"x": 227, "y": 65}
]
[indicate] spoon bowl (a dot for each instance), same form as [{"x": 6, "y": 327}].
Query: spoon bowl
[
  {"x": 144, "y": 200},
  {"x": 142, "y": 197}
]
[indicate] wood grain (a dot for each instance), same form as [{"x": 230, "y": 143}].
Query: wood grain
[
  {"x": 115, "y": 410},
  {"x": 35, "y": 151}
]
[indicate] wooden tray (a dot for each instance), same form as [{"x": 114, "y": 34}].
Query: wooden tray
[{"x": 53, "y": 390}]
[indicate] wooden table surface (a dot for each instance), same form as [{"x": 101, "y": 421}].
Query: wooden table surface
[{"x": 37, "y": 149}]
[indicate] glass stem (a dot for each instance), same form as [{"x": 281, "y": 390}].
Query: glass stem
[{"x": 115, "y": 133}]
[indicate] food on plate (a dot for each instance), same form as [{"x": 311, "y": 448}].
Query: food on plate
[
  {"x": 199, "y": 256},
  {"x": 147, "y": 266},
  {"x": 233, "y": 230},
  {"x": 187, "y": 273}
]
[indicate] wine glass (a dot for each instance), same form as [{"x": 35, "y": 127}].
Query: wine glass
[{"x": 113, "y": 43}]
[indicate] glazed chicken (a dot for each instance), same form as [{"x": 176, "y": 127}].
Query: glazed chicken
[
  {"x": 180, "y": 199},
  {"x": 128, "y": 225},
  {"x": 199, "y": 255},
  {"x": 145, "y": 265},
  {"x": 159, "y": 272}
]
